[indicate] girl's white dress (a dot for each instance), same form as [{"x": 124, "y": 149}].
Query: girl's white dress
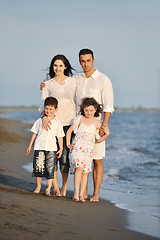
[{"x": 84, "y": 141}]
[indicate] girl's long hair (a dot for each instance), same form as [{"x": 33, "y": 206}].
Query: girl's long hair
[{"x": 86, "y": 102}]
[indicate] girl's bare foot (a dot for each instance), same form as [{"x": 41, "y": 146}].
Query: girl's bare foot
[
  {"x": 82, "y": 200},
  {"x": 95, "y": 198}
]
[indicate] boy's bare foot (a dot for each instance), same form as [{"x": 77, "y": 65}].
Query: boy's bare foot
[
  {"x": 95, "y": 198},
  {"x": 37, "y": 191},
  {"x": 48, "y": 192}
]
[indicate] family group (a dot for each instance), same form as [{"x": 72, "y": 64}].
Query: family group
[{"x": 75, "y": 112}]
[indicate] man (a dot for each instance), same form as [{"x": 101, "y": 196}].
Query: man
[{"x": 92, "y": 83}]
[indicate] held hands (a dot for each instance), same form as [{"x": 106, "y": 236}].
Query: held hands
[
  {"x": 104, "y": 131},
  {"x": 59, "y": 153},
  {"x": 42, "y": 85},
  {"x": 70, "y": 146}
]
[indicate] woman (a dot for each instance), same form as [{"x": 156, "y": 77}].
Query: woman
[{"x": 61, "y": 86}]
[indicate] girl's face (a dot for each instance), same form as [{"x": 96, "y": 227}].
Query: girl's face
[
  {"x": 89, "y": 111},
  {"x": 59, "y": 67}
]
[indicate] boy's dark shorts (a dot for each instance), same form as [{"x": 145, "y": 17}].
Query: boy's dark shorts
[
  {"x": 64, "y": 160},
  {"x": 44, "y": 163}
]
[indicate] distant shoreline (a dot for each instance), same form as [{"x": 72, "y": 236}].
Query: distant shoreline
[{"x": 35, "y": 108}]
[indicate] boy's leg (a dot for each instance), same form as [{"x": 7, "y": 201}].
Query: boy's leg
[
  {"x": 49, "y": 185},
  {"x": 38, "y": 168},
  {"x": 84, "y": 179},
  {"x": 50, "y": 166},
  {"x": 38, "y": 188},
  {"x": 77, "y": 181}
]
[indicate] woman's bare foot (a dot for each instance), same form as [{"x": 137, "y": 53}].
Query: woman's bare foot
[
  {"x": 95, "y": 198},
  {"x": 57, "y": 194}
]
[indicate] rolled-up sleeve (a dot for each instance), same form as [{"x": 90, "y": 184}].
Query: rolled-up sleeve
[
  {"x": 107, "y": 96},
  {"x": 44, "y": 95}
]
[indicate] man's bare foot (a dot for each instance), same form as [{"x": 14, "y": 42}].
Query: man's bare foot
[
  {"x": 37, "y": 191},
  {"x": 95, "y": 198}
]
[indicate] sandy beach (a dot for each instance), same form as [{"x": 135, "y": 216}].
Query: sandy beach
[{"x": 25, "y": 215}]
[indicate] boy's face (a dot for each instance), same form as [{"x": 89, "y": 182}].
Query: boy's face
[{"x": 50, "y": 111}]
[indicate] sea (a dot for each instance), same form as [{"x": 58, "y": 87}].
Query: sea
[{"x": 131, "y": 178}]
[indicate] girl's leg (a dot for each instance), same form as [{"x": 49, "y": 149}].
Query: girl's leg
[
  {"x": 38, "y": 188},
  {"x": 55, "y": 184},
  {"x": 77, "y": 181},
  {"x": 83, "y": 186}
]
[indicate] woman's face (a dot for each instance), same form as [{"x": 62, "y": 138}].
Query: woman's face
[{"x": 58, "y": 67}]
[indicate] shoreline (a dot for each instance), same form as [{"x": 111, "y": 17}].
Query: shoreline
[{"x": 29, "y": 216}]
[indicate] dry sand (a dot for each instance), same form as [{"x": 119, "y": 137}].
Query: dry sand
[{"x": 27, "y": 216}]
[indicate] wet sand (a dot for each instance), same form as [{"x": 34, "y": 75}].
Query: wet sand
[{"x": 25, "y": 215}]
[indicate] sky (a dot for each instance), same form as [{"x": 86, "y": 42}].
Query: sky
[{"x": 123, "y": 34}]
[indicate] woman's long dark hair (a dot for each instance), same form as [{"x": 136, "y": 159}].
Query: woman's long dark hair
[{"x": 67, "y": 71}]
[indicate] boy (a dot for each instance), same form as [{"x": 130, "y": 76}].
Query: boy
[{"x": 45, "y": 146}]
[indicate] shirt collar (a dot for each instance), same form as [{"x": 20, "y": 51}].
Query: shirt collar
[{"x": 93, "y": 74}]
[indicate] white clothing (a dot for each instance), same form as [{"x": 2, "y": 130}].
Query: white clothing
[
  {"x": 98, "y": 86},
  {"x": 46, "y": 140},
  {"x": 84, "y": 141},
  {"x": 65, "y": 94}
]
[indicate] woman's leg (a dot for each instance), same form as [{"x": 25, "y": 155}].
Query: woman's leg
[
  {"x": 64, "y": 184},
  {"x": 77, "y": 181},
  {"x": 55, "y": 184}
]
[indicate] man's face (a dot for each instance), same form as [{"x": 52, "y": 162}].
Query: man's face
[{"x": 87, "y": 62}]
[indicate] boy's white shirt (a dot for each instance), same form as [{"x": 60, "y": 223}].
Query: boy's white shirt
[{"x": 46, "y": 140}]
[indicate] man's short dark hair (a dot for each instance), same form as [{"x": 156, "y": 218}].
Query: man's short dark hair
[
  {"x": 51, "y": 101},
  {"x": 85, "y": 51}
]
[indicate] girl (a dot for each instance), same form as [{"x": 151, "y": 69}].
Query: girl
[
  {"x": 61, "y": 86},
  {"x": 86, "y": 128}
]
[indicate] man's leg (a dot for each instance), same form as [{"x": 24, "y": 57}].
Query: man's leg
[{"x": 97, "y": 178}]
